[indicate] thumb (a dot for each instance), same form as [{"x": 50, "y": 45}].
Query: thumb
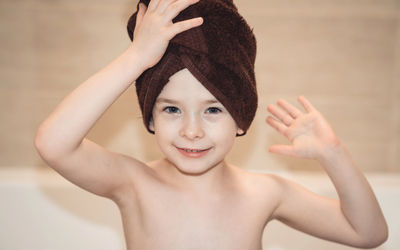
[{"x": 282, "y": 149}]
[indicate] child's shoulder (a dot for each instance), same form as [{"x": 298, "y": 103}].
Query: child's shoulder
[
  {"x": 263, "y": 191},
  {"x": 275, "y": 185},
  {"x": 263, "y": 179},
  {"x": 265, "y": 185}
]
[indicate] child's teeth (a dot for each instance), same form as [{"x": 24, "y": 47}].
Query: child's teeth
[{"x": 189, "y": 150}]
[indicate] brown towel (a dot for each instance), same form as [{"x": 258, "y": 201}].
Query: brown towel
[{"x": 220, "y": 53}]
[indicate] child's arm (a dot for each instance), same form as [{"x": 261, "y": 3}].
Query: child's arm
[
  {"x": 356, "y": 219},
  {"x": 60, "y": 139}
]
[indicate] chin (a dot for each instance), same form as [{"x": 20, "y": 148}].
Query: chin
[{"x": 194, "y": 167}]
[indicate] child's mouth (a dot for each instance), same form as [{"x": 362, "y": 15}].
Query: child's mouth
[{"x": 193, "y": 153}]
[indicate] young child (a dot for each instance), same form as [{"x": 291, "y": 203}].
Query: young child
[{"x": 196, "y": 89}]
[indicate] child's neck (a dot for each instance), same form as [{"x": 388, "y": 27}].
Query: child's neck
[{"x": 214, "y": 180}]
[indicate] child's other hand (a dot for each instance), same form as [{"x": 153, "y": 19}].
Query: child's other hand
[
  {"x": 310, "y": 134},
  {"x": 154, "y": 28}
]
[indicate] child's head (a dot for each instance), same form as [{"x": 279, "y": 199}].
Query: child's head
[
  {"x": 220, "y": 54},
  {"x": 190, "y": 123}
]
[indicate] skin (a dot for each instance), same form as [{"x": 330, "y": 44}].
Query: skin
[
  {"x": 207, "y": 203},
  {"x": 312, "y": 137},
  {"x": 186, "y": 115}
]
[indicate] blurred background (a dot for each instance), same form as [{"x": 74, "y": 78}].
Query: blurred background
[{"x": 344, "y": 55}]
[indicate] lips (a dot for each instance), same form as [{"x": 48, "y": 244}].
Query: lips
[{"x": 192, "y": 152}]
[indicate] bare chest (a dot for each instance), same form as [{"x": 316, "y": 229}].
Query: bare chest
[{"x": 163, "y": 219}]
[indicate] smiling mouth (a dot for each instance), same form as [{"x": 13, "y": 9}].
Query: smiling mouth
[
  {"x": 193, "y": 150},
  {"x": 193, "y": 153}
]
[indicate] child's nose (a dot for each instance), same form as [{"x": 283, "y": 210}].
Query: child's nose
[{"x": 192, "y": 128}]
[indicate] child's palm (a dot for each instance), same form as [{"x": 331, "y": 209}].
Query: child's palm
[{"x": 309, "y": 133}]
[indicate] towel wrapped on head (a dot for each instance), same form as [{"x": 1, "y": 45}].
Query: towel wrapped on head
[{"x": 220, "y": 54}]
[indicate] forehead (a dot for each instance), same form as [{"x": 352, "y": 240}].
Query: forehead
[{"x": 183, "y": 84}]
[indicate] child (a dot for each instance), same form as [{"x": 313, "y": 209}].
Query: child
[{"x": 196, "y": 88}]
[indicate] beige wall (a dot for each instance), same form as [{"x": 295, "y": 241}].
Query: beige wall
[{"x": 344, "y": 55}]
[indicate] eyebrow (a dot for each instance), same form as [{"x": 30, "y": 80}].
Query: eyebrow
[{"x": 166, "y": 100}]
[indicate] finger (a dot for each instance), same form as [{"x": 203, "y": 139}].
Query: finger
[
  {"x": 277, "y": 125},
  {"x": 292, "y": 110},
  {"x": 163, "y": 5},
  {"x": 153, "y": 5},
  {"x": 140, "y": 14},
  {"x": 176, "y": 7},
  {"x": 185, "y": 25},
  {"x": 306, "y": 104},
  {"x": 282, "y": 149},
  {"x": 278, "y": 113}
]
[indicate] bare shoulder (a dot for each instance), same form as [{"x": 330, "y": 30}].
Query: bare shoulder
[
  {"x": 265, "y": 181},
  {"x": 264, "y": 192},
  {"x": 275, "y": 184},
  {"x": 265, "y": 185}
]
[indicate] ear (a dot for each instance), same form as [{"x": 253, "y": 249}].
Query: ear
[{"x": 239, "y": 131}]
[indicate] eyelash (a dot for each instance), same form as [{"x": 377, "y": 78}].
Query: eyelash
[
  {"x": 214, "y": 109},
  {"x": 168, "y": 109},
  {"x": 173, "y": 110}
]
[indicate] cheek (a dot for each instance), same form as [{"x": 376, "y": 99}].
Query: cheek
[
  {"x": 163, "y": 122},
  {"x": 165, "y": 129},
  {"x": 225, "y": 129},
  {"x": 223, "y": 138},
  {"x": 164, "y": 136}
]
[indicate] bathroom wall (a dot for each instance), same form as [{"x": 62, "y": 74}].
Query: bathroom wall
[{"x": 343, "y": 55}]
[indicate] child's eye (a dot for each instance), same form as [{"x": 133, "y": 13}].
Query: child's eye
[
  {"x": 172, "y": 110},
  {"x": 213, "y": 110}
]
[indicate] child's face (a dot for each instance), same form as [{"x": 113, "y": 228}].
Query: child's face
[{"x": 193, "y": 129}]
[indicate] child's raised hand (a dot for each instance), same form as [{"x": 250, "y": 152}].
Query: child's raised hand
[
  {"x": 154, "y": 28},
  {"x": 310, "y": 134}
]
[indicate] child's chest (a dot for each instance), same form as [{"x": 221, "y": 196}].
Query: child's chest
[{"x": 162, "y": 219}]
